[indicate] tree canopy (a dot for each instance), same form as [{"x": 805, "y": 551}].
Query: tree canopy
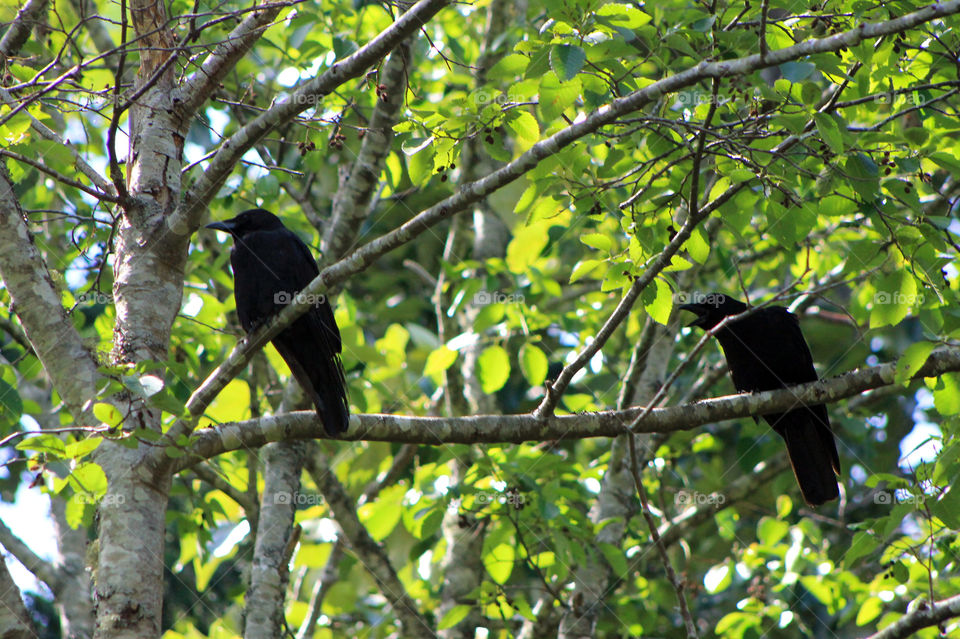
[{"x": 508, "y": 202}]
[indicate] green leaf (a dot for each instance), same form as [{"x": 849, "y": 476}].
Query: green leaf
[
  {"x": 499, "y": 562},
  {"x": 526, "y": 129},
  {"x": 598, "y": 241},
  {"x": 896, "y": 294},
  {"x": 622, "y": 15},
  {"x": 658, "y": 301},
  {"x": 863, "y": 544},
  {"x": 420, "y": 165},
  {"x": 534, "y": 364},
  {"x": 454, "y": 616},
  {"x": 11, "y": 406},
  {"x": 717, "y": 579},
  {"x": 88, "y": 478},
  {"x": 584, "y": 268},
  {"x": 508, "y": 67},
  {"x": 947, "y": 508},
  {"x": 770, "y": 531},
  {"x": 494, "y": 368},
  {"x": 829, "y": 131},
  {"x": 911, "y": 361},
  {"x": 557, "y": 96},
  {"x": 566, "y": 60},
  {"x": 438, "y": 361},
  {"x": 380, "y": 517},
  {"x": 697, "y": 246},
  {"x": 946, "y": 398},
  {"x": 835, "y": 206},
  {"x": 863, "y": 175},
  {"x": 49, "y": 444},
  {"x": 869, "y": 610},
  {"x": 526, "y": 246},
  {"x": 108, "y": 414}
]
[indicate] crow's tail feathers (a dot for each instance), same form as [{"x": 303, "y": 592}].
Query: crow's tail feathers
[
  {"x": 813, "y": 455},
  {"x": 322, "y": 381}
]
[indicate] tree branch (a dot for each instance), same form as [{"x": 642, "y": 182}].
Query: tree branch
[
  {"x": 200, "y": 86},
  {"x": 19, "y": 30},
  {"x": 924, "y": 616},
  {"x": 37, "y": 302},
  {"x": 310, "y": 93},
  {"x": 523, "y": 428}
]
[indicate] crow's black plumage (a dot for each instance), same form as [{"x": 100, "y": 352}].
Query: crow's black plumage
[
  {"x": 270, "y": 266},
  {"x": 766, "y": 351}
]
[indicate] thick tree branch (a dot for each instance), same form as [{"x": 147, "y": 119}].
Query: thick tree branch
[
  {"x": 14, "y": 618},
  {"x": 350, "y": 202},
  {"x": 475, "y": 191},
  {"x": 523, "y": 428},
  {"x": 19, "y": 30},
  {"x": 310, "y": 93},
  {"x": 33, "y": 562},
  {"x": 37, "y": 304},
  {"x": 201, "y": 85},
  {"x": 923, "y": 617}
]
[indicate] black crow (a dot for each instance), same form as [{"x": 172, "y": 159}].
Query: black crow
[
  {"x": 766, "y": 351},
  {"x": 270, "y": 266}
]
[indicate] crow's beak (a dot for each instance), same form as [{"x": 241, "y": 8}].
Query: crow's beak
[
  {"x": 226, "y": 227},
  {"x": 694, "y": 308}
]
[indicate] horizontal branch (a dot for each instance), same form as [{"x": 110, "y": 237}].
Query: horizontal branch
[
  {"x": 491, "y": 429},
  {"x": 922, "y": 617}
]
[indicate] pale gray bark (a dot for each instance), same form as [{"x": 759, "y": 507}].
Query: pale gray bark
[
  {"x": 264, "y": 603},
  {"x": 350, "y": 204},
  {"x": 14, "y": 621},
  {"x": 923, "y": 616},
  {"x": 36, "y": 299},
  {"x": 190, "y": 212},
  {"x": 87, "y": 10},
  {"x": 523, "y": 428},
  {"x": 18, "y": 31},
  {"x": 148, "y": 278}
]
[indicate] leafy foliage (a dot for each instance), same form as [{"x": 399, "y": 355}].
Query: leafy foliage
[{"x": 837, "y": 174}]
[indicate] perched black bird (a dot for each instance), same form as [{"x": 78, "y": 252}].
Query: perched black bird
[
  {"x": 766, "y": 351},
  {"x": 270, "y": 266}
]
